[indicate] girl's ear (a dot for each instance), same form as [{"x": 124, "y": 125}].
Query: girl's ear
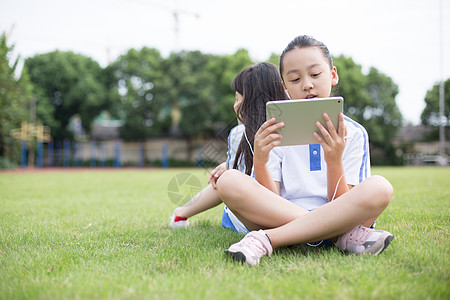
[{"x": 334, "y": 76}]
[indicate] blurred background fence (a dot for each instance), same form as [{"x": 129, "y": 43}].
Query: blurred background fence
[{"x": 166, "y": 152}]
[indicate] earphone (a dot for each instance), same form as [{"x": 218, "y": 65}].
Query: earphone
[
  {"x": 287, "y": 93},
  {"x": 332, "y": 198},
  {"x": 248, "y": 142}
]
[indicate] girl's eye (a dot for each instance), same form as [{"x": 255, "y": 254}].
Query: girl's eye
[
  {"x": 295, "y": 80},
  {"x": 315, "y": 75}
]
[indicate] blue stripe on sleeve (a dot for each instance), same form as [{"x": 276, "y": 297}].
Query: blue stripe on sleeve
[{"x": 363, "y": 169}]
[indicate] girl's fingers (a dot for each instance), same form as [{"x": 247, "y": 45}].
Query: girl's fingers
[
  {"x": 319, "y": 139},
  {"x": 330, "y": 127},
  {"x": 326, "y": 135},
  {"x": 268, "y": 127},
  {"x": 213, "y": 183},
  {"x": 342, "y": 130},
  {"x": 213, "y": 172}
]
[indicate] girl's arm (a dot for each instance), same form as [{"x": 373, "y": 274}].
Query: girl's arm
[
  {"x": 333, "y": 145},
  {"x": 263, "y": 176},
  {"x": 266, "y": 138}
]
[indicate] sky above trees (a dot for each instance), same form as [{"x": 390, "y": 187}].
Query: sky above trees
[{"x": 399, "y": 38}]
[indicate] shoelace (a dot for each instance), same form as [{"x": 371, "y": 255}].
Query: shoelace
[
  {"x": 360, "y": 234},
  {"x": 254, "y": 245}
]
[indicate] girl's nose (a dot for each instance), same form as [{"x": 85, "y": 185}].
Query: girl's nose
[{"x": 307, "y": 85}]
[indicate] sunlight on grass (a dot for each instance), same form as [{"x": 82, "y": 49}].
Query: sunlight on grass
[{"x": 104, "y": 234}]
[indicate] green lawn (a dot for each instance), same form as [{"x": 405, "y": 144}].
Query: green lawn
[{"x": 104, "y": 235}]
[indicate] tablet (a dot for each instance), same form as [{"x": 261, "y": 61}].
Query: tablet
[{"x": 300, "y": 117}]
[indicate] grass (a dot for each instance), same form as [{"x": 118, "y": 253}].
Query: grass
[{"x": 104, "y": 234}]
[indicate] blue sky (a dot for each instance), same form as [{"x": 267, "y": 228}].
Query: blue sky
[{"x": 400, "y": 38}]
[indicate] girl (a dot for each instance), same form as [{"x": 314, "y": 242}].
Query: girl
[
  {"x": 254, "y": 86},
  {"x": 289, "y": 202}
]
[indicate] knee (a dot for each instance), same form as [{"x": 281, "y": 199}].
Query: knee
[
  {"x": 383, "y": 191},
  {"x": 384, "y": 187},
  {"x": 228, "y": 182}
]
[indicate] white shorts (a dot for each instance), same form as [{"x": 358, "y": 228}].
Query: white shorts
[{"x": 229, "y": 220}]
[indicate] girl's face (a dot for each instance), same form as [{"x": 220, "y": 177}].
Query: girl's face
[{"x": 307, "y": 74}]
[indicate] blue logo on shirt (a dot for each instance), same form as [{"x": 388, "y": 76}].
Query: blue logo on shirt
[{"x": 314, "y": 157}]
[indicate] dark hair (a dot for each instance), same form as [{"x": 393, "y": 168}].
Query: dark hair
[
  {"x": 262, "y": 83},
  {"x": 303, "y": 41},
  {"x": 238, "y": 82}
]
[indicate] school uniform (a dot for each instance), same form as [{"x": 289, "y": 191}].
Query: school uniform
[{"x": 302, "y": 171}]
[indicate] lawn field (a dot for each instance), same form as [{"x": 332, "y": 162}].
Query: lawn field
[{"x": 103, "y": 234}]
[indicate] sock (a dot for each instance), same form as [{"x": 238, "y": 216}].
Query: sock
[
  {"x": 267, "y": 237},
  {"x": 178, "y": 218}
]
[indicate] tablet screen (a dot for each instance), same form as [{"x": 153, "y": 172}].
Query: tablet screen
[{"x": 300, "y": 117}]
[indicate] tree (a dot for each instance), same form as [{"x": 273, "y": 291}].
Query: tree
[
  {"x": 275, "y": 59},
  {"x": 382, "y": 116},
  {"x": 192, "y": 93},
  {"x": 370, "y": 100},
  {"x": 139, "y": 91},
  {"x": 201, "y": 91},
  {"x": 66, "y": 84},
  {"x": 352, "y": 83},
  {"x": 15, "y": 96},
  {"x": 224, "y": 69},
  {"x": 430, "y": 114}
]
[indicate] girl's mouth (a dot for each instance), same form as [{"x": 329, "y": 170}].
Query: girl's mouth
[{"x": 310, "y": 96}]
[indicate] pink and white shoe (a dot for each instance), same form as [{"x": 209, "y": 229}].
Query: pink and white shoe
[
  {"x": 251, "y": 248},
  {"x": 363, "y": 240}
]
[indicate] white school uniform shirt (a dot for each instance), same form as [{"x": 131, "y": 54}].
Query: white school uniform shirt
[
  {"x": 302, "y": 171},
  {"x": 229, "y": 220},
  {"x": 234, "y": 139}
]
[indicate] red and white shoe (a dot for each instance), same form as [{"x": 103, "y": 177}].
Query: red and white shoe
[{"x": 178, "y": 221}]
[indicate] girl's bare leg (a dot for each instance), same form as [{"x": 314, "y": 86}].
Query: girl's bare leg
[
  {"x": 365, "y": 201},
  {"x": 204, "y": 200},
  {"x": 253, "y": 204},
  {"x": 259, "y": 208}
]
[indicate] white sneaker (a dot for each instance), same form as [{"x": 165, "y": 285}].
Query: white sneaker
[
  {"x": 178, "y": 221},
  {"x": 363, "y": 240},
  {"x": 251, "y": 248}
]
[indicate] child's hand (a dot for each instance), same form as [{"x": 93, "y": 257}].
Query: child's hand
[
  {"x": 215, "y": 174},
  {"x": 266, "y": 138},
  {"x": 332, "y": 141}
]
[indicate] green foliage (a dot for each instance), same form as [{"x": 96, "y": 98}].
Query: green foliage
[
  {"x": 15, "y": 96},
  {"x": 6, "y": 163},
  {"x": 186, "y": 94},
  {"x": 105, "y": 235},
  {"x": 139, "y": 93},
  {"x": 66, "y": 84},
  {"x": 275, "y": 59},
  {"x": 430, "y": 114},
  {"x": 382, "y": 116},
  {"x": 192, "y": 92},
  {"x": 370, "y": 100},
  {"x": 224, "y": 69},
  {"x": 352, "y": 83}
]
